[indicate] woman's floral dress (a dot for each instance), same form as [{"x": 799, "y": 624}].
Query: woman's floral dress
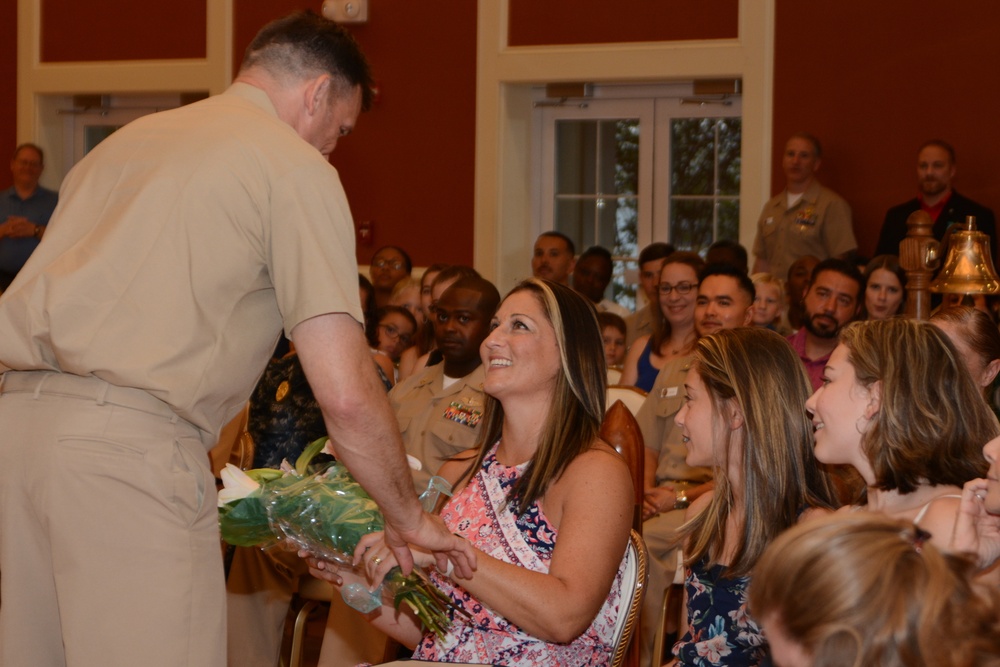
[
  {"x": 719, "y": 632},
  {"x": 479, "y": 513}
]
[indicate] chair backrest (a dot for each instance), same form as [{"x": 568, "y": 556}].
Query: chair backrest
[
  {"x": 620, "y": 430},
  {"x": 235, "y": 444},
  {"x": 633, "y": 590},
  {"x": 632, "y": 397}
]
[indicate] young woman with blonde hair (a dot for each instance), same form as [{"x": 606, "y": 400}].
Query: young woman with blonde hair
[
  {"x": 743, "y": 416},
  {"x": 863, "y": 590},
  {"x": 898, "y": 404}
]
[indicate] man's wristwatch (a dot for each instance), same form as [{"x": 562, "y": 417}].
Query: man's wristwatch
[{"x": 681, "y": 501}]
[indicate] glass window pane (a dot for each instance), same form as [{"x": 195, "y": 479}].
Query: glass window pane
[
  {"x": 691, "y": 224},
  {"x": 576, "y": 156},
  {"x": 623, "y": 291},
  {"x": 730, "y": 137},
  {"x": 95, "y": 134},
  {"x": 619, "y": 156},
  {"x": 692, "y": 156},
  {"x": 729, "y": 220},
  {"x": 575, "y": 219}
]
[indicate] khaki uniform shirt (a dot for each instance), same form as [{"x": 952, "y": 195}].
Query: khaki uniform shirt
[
  {"x": 181, "y": 246},
  {"x": 437, "y": 423},
  {"x": 819, "y": 224},
  {"x": 640, "y": 323},
  {"x": 660, "y": 433}
]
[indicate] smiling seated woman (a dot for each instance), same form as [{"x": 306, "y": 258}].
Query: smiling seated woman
[{"x": 546, "y": 503}]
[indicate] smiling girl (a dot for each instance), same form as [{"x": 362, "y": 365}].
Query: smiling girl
[{"x": 743, "y": 416}]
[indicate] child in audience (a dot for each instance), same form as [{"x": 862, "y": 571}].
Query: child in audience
[
  {"x": 613, "y": 334},
  {"x": 392, "y": 333},
  {"x": 867, "y": 590},
  {"x": 769, "y": 306},
  {"x": 406, "y": 293}
]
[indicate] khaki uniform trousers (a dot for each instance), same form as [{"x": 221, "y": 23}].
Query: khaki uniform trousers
[{"x": 109, "y": 542}]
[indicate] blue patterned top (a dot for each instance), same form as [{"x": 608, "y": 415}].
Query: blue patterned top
[{"x": 720, "y": 631}]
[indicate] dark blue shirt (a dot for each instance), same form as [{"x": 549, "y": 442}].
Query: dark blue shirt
[{"x": 38, "y": 209}]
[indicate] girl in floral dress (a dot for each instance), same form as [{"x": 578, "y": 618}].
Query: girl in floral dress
[
  {"x": 743, "y": 416},
  {"x": 544, "y": 501}
]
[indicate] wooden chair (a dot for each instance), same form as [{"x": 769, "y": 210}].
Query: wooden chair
[
  {"x": 621, "y": 431},
  {"x": 313, "y": 592},
  {"x": 633, "y": 591},
  {"x": 632, "y": 397},
  {"x": 673, "y": 606}
]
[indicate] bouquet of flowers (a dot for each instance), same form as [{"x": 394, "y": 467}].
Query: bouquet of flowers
[{"x": 326, "y": 513}]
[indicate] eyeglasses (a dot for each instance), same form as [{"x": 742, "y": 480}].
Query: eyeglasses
[
  {"x": 393, "y": 332},
  {"x": 682, "y": 288},
  {"x": 381, "y": 264}
]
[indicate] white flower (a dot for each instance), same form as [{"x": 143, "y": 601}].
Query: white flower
[{"x": 236, "y": 484}]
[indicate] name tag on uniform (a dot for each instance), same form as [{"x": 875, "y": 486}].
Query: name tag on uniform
[
  {"x": 463, "y": 414},
  {"x": 668, "y": 392}
]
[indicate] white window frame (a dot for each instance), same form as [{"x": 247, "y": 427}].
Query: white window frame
[
  {"x": 506, "y": 75},
  {"x": 655, "y": 106}
]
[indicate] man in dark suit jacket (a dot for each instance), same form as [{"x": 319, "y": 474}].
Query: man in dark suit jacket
[{"x": 935, "y": 171}]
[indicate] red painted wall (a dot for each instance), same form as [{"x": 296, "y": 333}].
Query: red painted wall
[
  {"x": 408, "y": 166},
  {"x": 8, "y": 88},
  {"x": 538, "y": 22},
  {"x": 75, "y": 31},
  {"x": 874, "y": 80}
]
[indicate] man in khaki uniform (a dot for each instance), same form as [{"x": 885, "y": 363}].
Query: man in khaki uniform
[
  {"x": 805, "y": 218},
  {"x": 138, "y": 329},
  {"x": 440, "y": 408}
]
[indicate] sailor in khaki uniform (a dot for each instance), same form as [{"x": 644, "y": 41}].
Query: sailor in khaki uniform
[{"x": 440, "y": 408}]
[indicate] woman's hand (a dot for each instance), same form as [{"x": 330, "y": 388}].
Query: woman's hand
[
  {"x": 376, "y": 558},
  {"x": 976, "y": 530},
  {"x": 431, "y": 534},
  {"x": 322, "y": 569}
]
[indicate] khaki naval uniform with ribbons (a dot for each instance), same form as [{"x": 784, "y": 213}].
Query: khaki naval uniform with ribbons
[{"x": 437, "y": 422}]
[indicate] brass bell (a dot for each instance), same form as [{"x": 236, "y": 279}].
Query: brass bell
[{"x": 968, "y": 268}]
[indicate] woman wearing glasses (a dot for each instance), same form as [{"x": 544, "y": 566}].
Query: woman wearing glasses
[{"x": 673, "y": 334}]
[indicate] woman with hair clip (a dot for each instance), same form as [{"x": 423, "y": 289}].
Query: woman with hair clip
[
  {"x": 743, "y": 416},
  {"x": 977, "y": 339},
  {"x": 546, "y": 503},
  {"x": 862, "y": 590},
  {"x": 897, "y": 404}
]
